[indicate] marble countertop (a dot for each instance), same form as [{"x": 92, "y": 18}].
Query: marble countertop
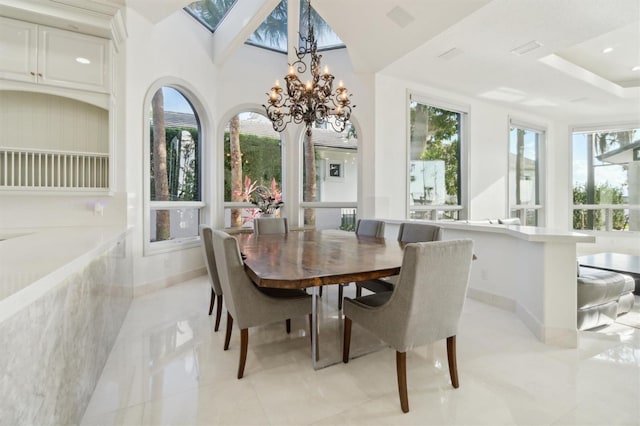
[
  {"x": 32, "y": 261},
  {"x": 528, "y": 233}
]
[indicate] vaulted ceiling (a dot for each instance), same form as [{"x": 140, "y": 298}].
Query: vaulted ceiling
[{"x": 545, "y": 56}]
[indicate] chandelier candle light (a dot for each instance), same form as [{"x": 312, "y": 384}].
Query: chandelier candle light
[{"x": 313, "y": 101}]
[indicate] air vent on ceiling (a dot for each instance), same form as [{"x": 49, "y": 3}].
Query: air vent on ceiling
[
  {"x": 400, "y": 16},
  {"x": 527, "y": 47},
  {"x": 450, "y": 54}
]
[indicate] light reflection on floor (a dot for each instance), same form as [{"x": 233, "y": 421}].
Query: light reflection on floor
[{"x": 168, "y": 367}]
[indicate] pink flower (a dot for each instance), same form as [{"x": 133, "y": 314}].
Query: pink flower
[{"x": 275, "y": 192}]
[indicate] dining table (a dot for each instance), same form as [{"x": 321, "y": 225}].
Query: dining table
[{"x": 311, "y": 259}]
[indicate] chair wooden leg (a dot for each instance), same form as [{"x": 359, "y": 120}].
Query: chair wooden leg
[
  {"x": 320, "y": 291},
  {"x": 213, "y": 295},
  {"x": 227, "y": 337},
  {"x": 244, "y": 342},
  {"x": 401, "y": 368},
  {"x": 340, "y": 293},
  {"x": 288, "y": 325},
  {"x": 346, "y": 344},
  {"x": 218, "y": 312},
  {"x": 453, "y": 364}
]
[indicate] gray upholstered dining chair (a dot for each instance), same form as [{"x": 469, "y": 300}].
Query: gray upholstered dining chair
[
  {"x": 364, "y": 228},
  {"x": 246, "y": 305},
  {"x": 270, "y": 225},
  {"x": 370, "y": 228},
  {"x": 408, "y": 233},
  {"x": 424, "y": 306},
  {"x": 273, "y": 226},
  {"x": 206, "y": 243}
]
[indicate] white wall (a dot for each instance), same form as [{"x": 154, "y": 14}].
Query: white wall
[
  {"x": 342, "y": 188},
  {"x": 176, "y": 48},
  {"x": 171, "y": 51},
  {"x": 488, "y": 129}
]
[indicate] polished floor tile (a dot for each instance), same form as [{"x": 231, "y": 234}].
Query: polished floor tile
[{"x": 168, "y": 367}]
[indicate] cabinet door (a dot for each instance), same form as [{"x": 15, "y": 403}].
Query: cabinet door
[
  {"x": 18, "y": 56},
  {"x": 73, "y": 60}
]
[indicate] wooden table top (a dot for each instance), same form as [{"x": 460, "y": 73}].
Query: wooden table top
[{"x": 315, "y": 258}]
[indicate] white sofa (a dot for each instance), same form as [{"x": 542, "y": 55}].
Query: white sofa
[{"x": 602, "y": 296}]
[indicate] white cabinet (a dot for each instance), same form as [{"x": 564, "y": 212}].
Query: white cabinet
[
  {"x": 55, "y": 57},
  {"x": 18, "y": 50}
]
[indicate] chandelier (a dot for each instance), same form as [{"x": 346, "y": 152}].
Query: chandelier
[{"x": 313, "y": 101}]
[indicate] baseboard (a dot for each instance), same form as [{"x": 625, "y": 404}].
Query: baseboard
[
  {"x": 560, "y": 337},
  {"x": 150, "y": 287},
  {"x": 495, "y": 300}
]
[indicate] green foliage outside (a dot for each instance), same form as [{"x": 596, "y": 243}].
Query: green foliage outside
[
  {"x": 211, "y": 11},
  {"x": 449, "y": 153},
  {"x": 188, "y": 189},
  {"x": 348, "y": 221},
  {"x": 261, "y": 160},
  {"x": 442, "y": 141},
  {"x": 605, "y": 194}
]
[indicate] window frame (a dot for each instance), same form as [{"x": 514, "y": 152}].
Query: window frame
[
  {"x": 343, "y": 205},
  {"x": 463, "y": 160},
  {"x": 202, "y": 22},
  {"x": 539, "y": 206},
  {"x": 612, "y": 126},
  {"x": 156, "y": 247},
  {"x": 230, "y": 205}
]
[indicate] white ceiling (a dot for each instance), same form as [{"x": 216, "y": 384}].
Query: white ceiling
[{"x": 568, "y": 75}]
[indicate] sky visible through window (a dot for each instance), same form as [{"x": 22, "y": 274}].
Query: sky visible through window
[
  {"x": 175, "y": 102},
  {"x": 613, "y": 174}
]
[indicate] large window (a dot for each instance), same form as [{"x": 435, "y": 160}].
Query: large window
[
  {"x": 525, "y": 145},
  {"x": 252, "y": 169},
  {"x": 436, "y": 136},
  {"x": 174, "y": 188},
  {"x": 330, "y": 178},
  {"x": 606, "y": 179},
  {"x": 272, "y": 33}
]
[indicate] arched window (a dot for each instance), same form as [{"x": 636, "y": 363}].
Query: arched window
[
  {"x": 252, "y": 169},
  {"x": 330, "y": 178},
  {"x": 174, "y": 158}
]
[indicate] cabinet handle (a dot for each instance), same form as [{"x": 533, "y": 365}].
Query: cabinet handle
[
  {"x": 32, "y": 73},
  {"x": 39, "y": 74}
]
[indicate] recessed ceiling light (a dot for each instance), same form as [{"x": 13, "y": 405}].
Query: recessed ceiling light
[
  {"x": 82, "y": 60},
  {"x": 636, "y": 68},
  {"x": 607, "y": 50}
]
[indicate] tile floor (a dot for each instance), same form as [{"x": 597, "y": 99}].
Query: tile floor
[{"x": 168, "y": 367}]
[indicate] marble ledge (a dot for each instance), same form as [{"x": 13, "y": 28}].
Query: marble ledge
[{"x": 35, "y": 261}]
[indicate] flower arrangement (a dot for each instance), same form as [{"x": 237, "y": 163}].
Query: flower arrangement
[{"x": 267, "y": 200}]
